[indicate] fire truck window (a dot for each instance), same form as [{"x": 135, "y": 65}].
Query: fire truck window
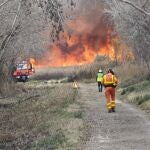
[{"x": 21, "y": 66}]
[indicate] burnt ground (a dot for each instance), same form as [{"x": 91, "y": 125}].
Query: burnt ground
[{"x": 127, "y": 129}]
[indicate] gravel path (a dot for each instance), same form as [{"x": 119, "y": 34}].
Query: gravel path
[{"x": 127, "y": 129}]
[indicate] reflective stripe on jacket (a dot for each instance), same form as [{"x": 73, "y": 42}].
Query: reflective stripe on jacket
[{"x": 99, "y": 77}]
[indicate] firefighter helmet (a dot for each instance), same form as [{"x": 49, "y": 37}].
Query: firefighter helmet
[{"x": 100, "y": 70}]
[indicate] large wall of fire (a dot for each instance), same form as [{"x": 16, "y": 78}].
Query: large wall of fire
[{"x": 87, "y": 35}]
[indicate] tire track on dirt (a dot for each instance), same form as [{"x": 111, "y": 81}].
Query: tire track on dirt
[{"x": 127, "y": 129}]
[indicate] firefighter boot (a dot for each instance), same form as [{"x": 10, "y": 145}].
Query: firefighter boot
[
  {"x": 113, "y": 105},
  {"x": 113, "y": 110},
  {"x": 109, "y": 108}
]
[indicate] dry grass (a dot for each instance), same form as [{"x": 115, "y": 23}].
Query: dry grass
[
  {"x": 134, "y": 84},
  {"x": 128, "y": 73},
  {"x": 142, "y": 99},
  {"x": 75, "y": 72},
  {"x": 131, "y": 73},
  {"x": 38, "y": 117},
  {"x": 8, "y": 88},
  {"x": 42, "y": 114}
]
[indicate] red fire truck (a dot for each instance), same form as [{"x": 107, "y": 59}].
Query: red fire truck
[{"x": 23, "y": 71}]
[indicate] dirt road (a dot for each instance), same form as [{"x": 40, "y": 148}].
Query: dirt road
[{"x": 127, "y": 129}]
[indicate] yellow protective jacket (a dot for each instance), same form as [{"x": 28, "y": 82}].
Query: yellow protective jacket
[
  {"x": 99, "y": 77},
  {"x": 109, "y": 80}
]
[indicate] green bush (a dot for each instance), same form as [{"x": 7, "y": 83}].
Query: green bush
[{"x": 123, "y": 92}]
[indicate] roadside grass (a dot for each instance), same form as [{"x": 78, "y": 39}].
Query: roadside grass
[
  {"x": 138, "y": 94},
  {"x": 135, "y": 84},
  {"x": 131, "y": 73},
  {"x": 136, "y": 87},
  {"x": 146, "y": 106},
  {"x": 39, "y": 118},
  {"x": 142, "y": 100}
]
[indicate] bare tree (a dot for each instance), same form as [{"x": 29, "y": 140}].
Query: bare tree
[
  {"x": 21, "y": 22},
  {"x": 132, "y": 22}
]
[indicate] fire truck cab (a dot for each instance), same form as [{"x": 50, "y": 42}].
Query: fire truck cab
[{"x": 23, "y": 71}]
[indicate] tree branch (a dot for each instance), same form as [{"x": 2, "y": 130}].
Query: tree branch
[
  {"x": 7, "y": 38},
  {"x": 136, "y": 7},
  {"x": 145, "y": 3},
  {"x": 3, "y": 3},
  {"x": 58, "y": 12}
]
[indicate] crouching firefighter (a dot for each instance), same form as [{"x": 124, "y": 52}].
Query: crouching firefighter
[
  {"x": 99, "y": 78},
  {"x": 110, "y": 82}
]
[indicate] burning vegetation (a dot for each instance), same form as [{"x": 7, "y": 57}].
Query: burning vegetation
[{"x": 82, "y": 40}]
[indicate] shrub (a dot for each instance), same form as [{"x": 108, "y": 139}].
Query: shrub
[{"x": 123, "y": 92}]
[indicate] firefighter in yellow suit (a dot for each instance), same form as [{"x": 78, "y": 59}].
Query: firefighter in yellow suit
[{"x": 110, "y": 82}]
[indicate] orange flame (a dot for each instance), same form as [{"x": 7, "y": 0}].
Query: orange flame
[
  {"x": 56, "y": 58},
  {"x": 82, "y": 45},
  {"x": 32, "y": 61},
  {"x": 83, "y": 54}
]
